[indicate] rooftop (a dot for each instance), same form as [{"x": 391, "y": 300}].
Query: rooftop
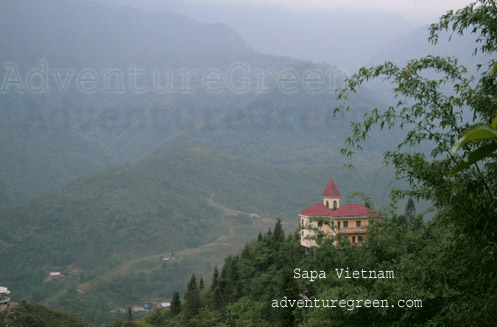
[
  {"x": 331, "y": 189},
  {"x": 347, "y": 210},
  {"x": 353, "y": 210},
  {"x": 317, "y": 210}
]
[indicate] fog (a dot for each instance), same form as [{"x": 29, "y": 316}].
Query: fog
[{"x": 347, "y": 34}]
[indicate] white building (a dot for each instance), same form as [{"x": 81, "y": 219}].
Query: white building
[
  {"x": 4, "y": 299},
  {"x": 138, "y": 309}
]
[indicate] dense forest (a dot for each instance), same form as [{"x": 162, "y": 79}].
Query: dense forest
[{"x": 449, "y": 262}]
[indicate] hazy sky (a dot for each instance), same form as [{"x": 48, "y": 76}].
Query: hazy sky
[{"x": 412, "y": 10}]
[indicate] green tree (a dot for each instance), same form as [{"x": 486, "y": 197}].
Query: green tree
[
  {"x": 479, "y": 132},
  {"x": 192, "y": 299},
  {"x": 246, "y": 313},
  {"x": 278, "y": 233},
  {"x": 215, "y": 276},
  {"x": 435, "y": 96},
  {"x": 208, "y": 318},
  {"x": 130, "y": 316},
  {"x": 217, "y": 289},
  {"x": 410, "y": 211},
  {"x": 175, "y": 304}
]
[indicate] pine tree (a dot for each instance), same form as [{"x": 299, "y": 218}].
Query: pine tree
[
  {"x": 192, "y": 299},
  {"x": 215, "y": 277},
  {"x": 278, "y": 233},
  {"x": 219, "y": 299},
  {"x": 233, "y": 279},
  {"x": 410, "y": 212},
  {"x": 175, "y": 304},
  {"x": 201, "y": 285},
  {"x": 130, "y": 315}
]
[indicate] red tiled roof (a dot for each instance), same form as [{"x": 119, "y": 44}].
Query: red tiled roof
[
  {"x": 317, "y": 210},
  {"x": 353, "y": 210},
  {"x": 331, "y": 189}
]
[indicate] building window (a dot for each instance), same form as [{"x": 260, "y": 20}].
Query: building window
[
  {"x": 359, "y": 239},
  {"x": 353, "y": 239},
  {"x": 327, "y": 204},
  {"x": 358, "y": 223},
  {"x": 320, "y": 223},
  {"x": 302, "y": 222},
  {"x": 338, "y": 225},
  {"x": 335, "y": 204},
  {"x": 345, "y": 224}
]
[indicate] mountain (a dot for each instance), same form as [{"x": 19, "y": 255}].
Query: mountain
[
  {"x": 415, "y": 44},
  {"x": 339, "y": 36},
  {"x": 40, "y": 157},
  {"x": 77, "y": 98},
  {"x": 178, "y": 199},
  {"x": 288, "y": 128},
  {"x": 134, "y": 83},
  {"x": 52, "y": 128},
  {"x": 59, "y": 32}
]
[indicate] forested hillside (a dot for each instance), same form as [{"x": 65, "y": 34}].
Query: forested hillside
[
  {"x": 182, "y": 198},
  {"x": 243, "y": 292},
  {"x": 442, "y": 272},
  {"x": 288, "y": 128}
]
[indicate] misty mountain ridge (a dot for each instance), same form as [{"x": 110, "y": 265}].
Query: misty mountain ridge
[
  {"x": 92, "y": 102},
  {"x": 343, "y": 37},
  {"x": 415, "y": 44},
  {"x": 59, "y": 30}
]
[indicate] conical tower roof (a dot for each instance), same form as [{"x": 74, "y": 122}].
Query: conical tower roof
[{"x": 331, "y": 189}]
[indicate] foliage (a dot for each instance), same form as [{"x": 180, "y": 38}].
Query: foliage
[
  {"x": 434, "y": 111},
  {"x": 477, "y": 132},
  {"x": 168, "y": 202},
  {"x": 246, "y": 313},
  {"x": 192, "y": 304},
  {"x": 175, "y": 304},
  {"x": 240, "y": 294},
  {"x": 26, "y": 314}
]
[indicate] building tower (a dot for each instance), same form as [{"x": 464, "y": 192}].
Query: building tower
[{"x": 331, "y": 195}]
